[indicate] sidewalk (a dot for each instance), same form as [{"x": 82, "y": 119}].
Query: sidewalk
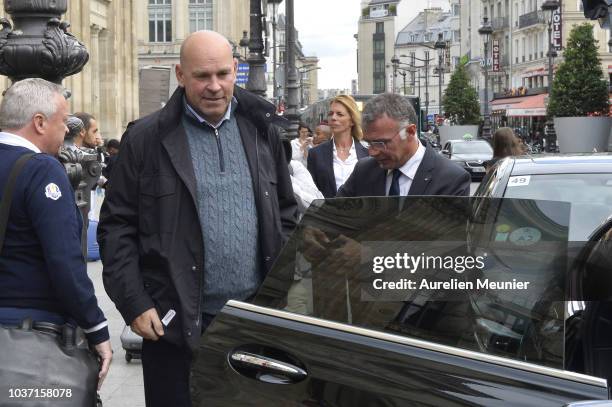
[{"x": 123, "y": 386}]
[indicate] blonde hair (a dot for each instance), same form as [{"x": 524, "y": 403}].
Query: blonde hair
[{"x": 353, "y": 110}]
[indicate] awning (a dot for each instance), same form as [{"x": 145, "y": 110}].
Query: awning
[
  {"x": 530, "y": 106},
  {"x": 507, "y": 103}
]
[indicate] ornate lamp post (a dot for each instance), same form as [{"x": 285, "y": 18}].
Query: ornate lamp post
[
  {"x": 256, "y": 60},
  {"x": 291, "y": 113},
  {"x": 39, "y": 45},
  {"x": 275, "y": 4},
  {"x": 244, "y": 44},
  {"x": 440, "y": 45},
  {"x": 550, "y": 6},
  {"x": 395, "y": 63},
  {"x": 486, "y": 30}
]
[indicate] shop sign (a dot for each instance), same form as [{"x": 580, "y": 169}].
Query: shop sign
[{"x": 557, "y": 28}]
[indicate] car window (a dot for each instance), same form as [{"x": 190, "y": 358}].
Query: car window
[
  {"x": 590, "y": 207},
  {"x": 330, "y": 267},
  {"x": 472, "y": 147}
]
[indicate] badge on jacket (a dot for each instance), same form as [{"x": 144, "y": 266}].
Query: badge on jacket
[{"x": 52, "y": 191}]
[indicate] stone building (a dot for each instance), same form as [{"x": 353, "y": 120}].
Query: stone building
[{"x": 107, "y": 87}]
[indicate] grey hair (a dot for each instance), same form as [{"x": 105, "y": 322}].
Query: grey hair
[
  {"x": 26, "y": 98},
  {"x": 394, "y": 106}
]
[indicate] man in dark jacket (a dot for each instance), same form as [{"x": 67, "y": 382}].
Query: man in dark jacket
[
  {"x": 399, "y": 164},
  {"x": 198, "y": 208}
]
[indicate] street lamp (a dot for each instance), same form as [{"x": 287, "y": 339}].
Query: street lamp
[
  {"x": 550, "y": 6},
  {"x": 440, "y": 45},
  {"x": 291, "y": 84},
  {"x": 244, "y": 43},
  {"x": 256, "y": 60},
  {"x": 395, "y": 63},
  {"x": 274, "y": 3},
  {"x": 303, "y": 70},
  {"x": 486, "y": 30}
]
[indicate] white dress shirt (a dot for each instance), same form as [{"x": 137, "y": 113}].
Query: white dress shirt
[
  {"x": 343, "y": 169},
  {"x": 408, "y": 171},
  {"x": 17, "y": 141}
]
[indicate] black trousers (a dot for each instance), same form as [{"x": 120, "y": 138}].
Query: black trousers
[{"x": 166, "y": 370}]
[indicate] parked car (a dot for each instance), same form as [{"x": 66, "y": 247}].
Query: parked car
[
  {"x": 470, "y": 154},
  {"x": 320, "y": 333},
  {"x": 584, "y": 180}
]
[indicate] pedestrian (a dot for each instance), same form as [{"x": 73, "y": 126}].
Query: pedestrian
[
  {"x": 112, "y": 149},
  {"x": 332, "y": 162},
  {"x": 198, "y": 206},
  {"x": 89, "y": 137},
  {"x": 399, "y": 164},
  {"x": 304, "y": 189},
  {"x": 322, "y": 134},
  {"x": 43, "y": 275},
  {"x": 302, "y": 144},
  {"x": 505, "y": 144}
]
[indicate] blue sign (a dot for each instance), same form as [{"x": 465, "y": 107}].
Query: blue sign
[{"x": 242, "y": 76}]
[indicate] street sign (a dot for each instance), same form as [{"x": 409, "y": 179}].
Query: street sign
[{"x": 242, "y": 76}]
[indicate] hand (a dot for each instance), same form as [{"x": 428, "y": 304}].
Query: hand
[
  {"x": 105, "y": 353},
  {"x": 315, "y": 244},
  {"x": 148, "y": 325}
]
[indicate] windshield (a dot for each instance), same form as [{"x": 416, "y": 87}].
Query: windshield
[
  {"x": 590, "y": 207},
  {"x": 472, "y": 147},
  {"x": 482, "y": 274}
]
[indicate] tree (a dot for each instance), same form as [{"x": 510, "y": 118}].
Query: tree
[
  {"x": 460, "y": 99},
  {"x": 579, "y": 88}
]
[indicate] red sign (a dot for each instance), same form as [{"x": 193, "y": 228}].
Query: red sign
[
  {"x": 495, "y": 55},
  {"x": 557, "y": 29}
]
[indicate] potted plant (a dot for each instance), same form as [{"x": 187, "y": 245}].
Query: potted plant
[
  {"x": 460, "y": 106},
  {"x": 578, "y": 101}
]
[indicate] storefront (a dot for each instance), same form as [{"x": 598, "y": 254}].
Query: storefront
[{"x": 525, "y": 114}]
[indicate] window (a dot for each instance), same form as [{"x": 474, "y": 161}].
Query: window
[
  {"x": 379, "y": 66},
  {"x": 379, "y": 85},
  {"x": 379, "y": 47},
  {"x": 200, "y": 15},
  {"x": 160, "y": 20},
  {"x": 380, "y": 28}
]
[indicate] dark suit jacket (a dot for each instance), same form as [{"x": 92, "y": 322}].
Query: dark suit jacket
[
  {"x": 436, "y": 175},
  {"x": 321, "y": 166}
]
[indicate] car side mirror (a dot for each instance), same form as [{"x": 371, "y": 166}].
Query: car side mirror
[{"x": 446, "y": 152}]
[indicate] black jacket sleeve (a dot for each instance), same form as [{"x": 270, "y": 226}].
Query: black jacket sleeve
[{"x": 118, "y": 236}]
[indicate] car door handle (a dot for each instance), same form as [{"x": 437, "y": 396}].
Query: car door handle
[{"x": 269, "y": 370}]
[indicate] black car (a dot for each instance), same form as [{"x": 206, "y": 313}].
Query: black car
[
  {"x": 584, "y": 180},
  {"x": 470, "y": 154},
  {"x": 337, "y": 322}
]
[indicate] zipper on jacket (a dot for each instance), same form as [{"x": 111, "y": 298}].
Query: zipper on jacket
[
  {"x": 221, "y": 161},
  {"x": 199, "y": 314}
]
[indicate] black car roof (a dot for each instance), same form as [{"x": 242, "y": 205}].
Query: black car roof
[{"x": 575, "y": 163}]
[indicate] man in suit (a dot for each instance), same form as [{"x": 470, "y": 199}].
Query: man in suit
[{"x": 399, "y": 164}]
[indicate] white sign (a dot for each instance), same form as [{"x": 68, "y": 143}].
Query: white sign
[
  {"x": 519, "y": 181},
  {"x": 377, "y": 13}
]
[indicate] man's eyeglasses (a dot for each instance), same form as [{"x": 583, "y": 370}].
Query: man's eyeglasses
[{"x": 382, "y": 144}]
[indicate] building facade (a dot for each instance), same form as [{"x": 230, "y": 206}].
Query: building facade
[
  {"x": 423, "y": 70},
  {"x": 520, "y": 65},
  {"x": 107, "y": 87}
]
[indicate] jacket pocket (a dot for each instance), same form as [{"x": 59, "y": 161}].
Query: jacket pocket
[{"x": 157, "y": 201}]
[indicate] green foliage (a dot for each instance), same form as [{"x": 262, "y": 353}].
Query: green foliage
[
  {"x": 578, "y": 87},
  {"x": 365, "y": 12},
  {"x": 392, "y": 10},
  {"x": 460, "y": 99}
]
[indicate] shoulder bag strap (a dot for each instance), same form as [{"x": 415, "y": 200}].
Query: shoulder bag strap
[{"x": 7, "y": 194}]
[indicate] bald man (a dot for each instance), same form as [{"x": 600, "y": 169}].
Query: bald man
[{"x": 198, "y": 207}]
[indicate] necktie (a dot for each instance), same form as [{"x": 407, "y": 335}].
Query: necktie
[{"x": 395, "y": 190}]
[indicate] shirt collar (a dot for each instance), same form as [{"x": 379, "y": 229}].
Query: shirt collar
[
  {"x": 228, "y": 112},
  {"x": 351, "y": 150},
  {"x": 411, "y": 166},
  {"x": 17, "y": 141}
]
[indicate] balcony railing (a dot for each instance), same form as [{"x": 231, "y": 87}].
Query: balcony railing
[
  {"x": 499, "y": 23},
  {"x": 533, "y": 18}
]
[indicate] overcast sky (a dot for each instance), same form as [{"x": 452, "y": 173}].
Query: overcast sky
[{"x": 326, "y": 29}]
